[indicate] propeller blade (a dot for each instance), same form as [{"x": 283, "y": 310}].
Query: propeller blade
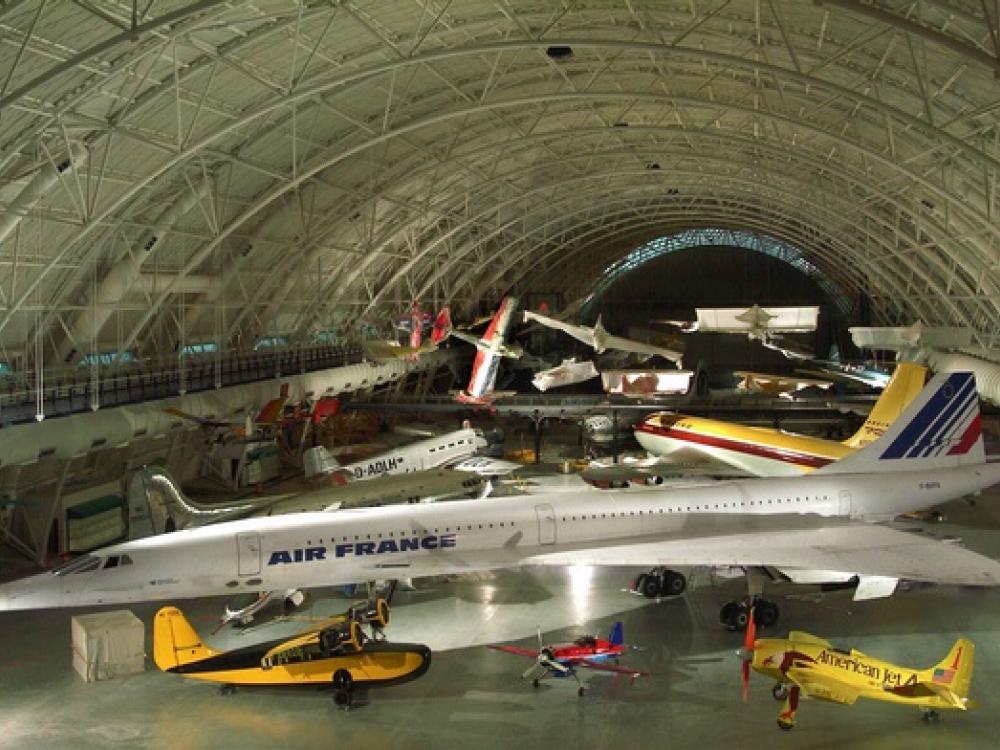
[
  {"x": 539, "y": 632},
  {"x": 535, "y": 671},
  {"x": 749, "y": 639},
  {"x": 751, "y": 632},
  {"x": 554, "y": 665}
]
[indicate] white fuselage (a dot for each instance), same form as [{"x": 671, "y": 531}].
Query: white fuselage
[
  {"x": 419, "y": 456},
  {"x": 758, "y": 459},
  {"x": 320, "y": 549}
]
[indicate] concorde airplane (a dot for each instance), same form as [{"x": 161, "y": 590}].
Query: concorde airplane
[
  {"x": 932, "y": 454},
  {"x": 764, "y": 451}
]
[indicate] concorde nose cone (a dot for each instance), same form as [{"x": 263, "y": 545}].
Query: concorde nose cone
[{"x": 35, "y": 592}]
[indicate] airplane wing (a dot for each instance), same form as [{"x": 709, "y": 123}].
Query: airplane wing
[
  {"x": 466, "y": 337},
  {"x": 516, "y": 650},
  {"x": 807, "y": 542},
  {"x": 821, "y": 686},
  {"x": 660, "y": 467},
  {"x": 203, "y": 421},
  {"x": 611, "y": 668},
  {"x": 487, "y": 362},
  {"x": 580, "y": 333},
  {"x": 804, "y": 542},
  {"x": 609, "y": 341}
]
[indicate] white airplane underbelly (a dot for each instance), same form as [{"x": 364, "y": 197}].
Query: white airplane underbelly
[{"x": 748, "y": 457}]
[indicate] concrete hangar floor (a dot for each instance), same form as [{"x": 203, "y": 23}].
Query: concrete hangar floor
[{"x": 474, "y": 697}]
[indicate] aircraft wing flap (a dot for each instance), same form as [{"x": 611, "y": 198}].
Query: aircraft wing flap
[
  {"x": 808, "y": 542},
  {"x": 823, "y": 687},
  {"x": 616, "y": 669},
  {"x": 516, "y": 650}
]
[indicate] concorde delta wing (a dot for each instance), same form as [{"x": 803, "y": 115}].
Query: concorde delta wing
[{"x": 789, "y": 541}]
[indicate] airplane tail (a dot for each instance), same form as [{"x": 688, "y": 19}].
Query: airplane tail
[
  {"x": 156, "y": 505},
  {"x": 175, "y": 642},
  {"x": 442, "y": 326},
  {"x": 940, "y": 428},
  {"x": 954, "y": 673},
  {"x": 617, "y": 635},
  {"x": 317, "y": 460},
  {"x": 904, "y": 386}
]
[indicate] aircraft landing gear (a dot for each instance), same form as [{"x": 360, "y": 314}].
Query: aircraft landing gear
[
  {"x": 735, "y": 615},
  {"x": 786, "y": 719},
  {"x": 930, "y": 716},
  {"x": 780, "y": 691},
  {"x": 579, "y": 691},
  {"x": 535, "y": 683},
  {"x": 660, "y": 582},
  {"x": 343, "y": 686},
  {"x": 227, "y": 689}
]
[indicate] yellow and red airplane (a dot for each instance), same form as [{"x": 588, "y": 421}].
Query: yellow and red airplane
[
  {"x": 764, "y": 451},
  {"x": 336, "y": 653},
  {"x": 803, "y": 665}
]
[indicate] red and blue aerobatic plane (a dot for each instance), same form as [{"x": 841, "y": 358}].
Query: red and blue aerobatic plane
[{"x": 563, "y": 659}]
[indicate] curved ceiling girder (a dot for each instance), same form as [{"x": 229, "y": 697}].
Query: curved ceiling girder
[{"x": 896, "y": 108}]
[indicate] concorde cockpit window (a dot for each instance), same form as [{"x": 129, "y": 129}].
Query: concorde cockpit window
[{"x": 83, "y": 564}]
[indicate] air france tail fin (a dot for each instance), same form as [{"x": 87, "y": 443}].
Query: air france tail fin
[
  {"x": 617, "y": 635},
  {"x": 175, "y": 642},
  {"x": 940, "y": 428},
  {"x": 906, "y": 383}
]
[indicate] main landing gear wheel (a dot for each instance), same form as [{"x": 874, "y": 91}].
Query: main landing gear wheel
[
  {"x": 660, "y": 582},
  {"x": 579, "y": 691},
  {"x": 779, "y": 692},
  {"x": 227, "y": 689},
  {"x": 735, "y": 615},
  {"x": 343, "y": 686},
  {"x": 931, "y": 716}
]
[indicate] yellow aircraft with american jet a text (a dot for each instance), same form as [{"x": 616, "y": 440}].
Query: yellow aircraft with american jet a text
[{"x": 806, "y": 666}]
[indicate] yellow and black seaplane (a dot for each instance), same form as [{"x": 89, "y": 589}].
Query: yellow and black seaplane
[
  {"x": 336, "y": 652},
  {"x": 803, "y": 665}
]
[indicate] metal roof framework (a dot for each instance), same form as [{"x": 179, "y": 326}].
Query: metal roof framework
[{"x": 175, "y": 171}]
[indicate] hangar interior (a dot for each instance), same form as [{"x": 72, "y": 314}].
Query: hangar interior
[{"x": 203, "y": 202}]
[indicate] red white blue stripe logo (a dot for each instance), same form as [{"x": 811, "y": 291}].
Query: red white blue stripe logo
[{"x": 948, "y": 423}]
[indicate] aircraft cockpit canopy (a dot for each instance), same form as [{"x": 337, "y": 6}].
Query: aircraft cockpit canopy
[
  {"x": 82, "y": 564},
  {"x": 90, "y": 563},
  {"x": 586, "y": 641}
]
